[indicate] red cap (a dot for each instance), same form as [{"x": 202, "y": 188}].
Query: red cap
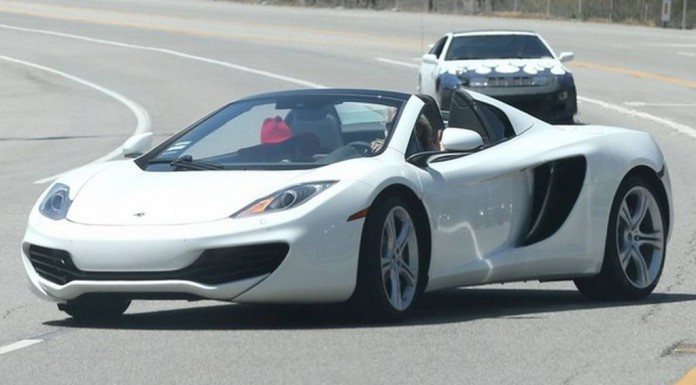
[{"x": 274, "y": 130}]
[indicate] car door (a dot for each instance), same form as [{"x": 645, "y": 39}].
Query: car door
[
  {"x": 430, "y": 64},
  {"x": 480, "y": 206},
  {"x": 479, "y": 211}
]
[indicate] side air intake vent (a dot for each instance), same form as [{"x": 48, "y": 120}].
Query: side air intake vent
[{"x": 557, "y": 186}]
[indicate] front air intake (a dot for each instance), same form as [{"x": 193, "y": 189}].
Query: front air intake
[{"x": 213, "y": 267}]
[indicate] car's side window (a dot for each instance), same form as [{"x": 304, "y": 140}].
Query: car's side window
[
  {"x": 498, "y": 124},
  {"x": 438, "y": 46}
]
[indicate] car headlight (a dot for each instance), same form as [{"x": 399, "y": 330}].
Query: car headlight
[
  {"x": 478, "y": 82},
  {"x": 543, "y": 80},
  {"x": 56, "y": 203},
  {"x": 285, "y": 199}
]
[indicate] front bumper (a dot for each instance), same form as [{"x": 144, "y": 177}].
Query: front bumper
[
  {"x": 277, "y": 259},
  {"x": 553, "y": 103}
]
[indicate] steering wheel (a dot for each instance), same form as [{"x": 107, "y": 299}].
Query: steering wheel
[{"x": 362, "y": 148}]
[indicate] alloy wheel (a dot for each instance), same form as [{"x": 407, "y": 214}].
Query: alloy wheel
[
  {"x": 640, "y": 237},
  {"x": 399, "y": 258}
]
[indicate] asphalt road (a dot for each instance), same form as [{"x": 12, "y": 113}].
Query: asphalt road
[{"x": 78, "y": 77}]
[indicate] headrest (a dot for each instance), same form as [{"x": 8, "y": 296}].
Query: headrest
[
  {"x": 461, "y": 99},
  {"x": 308, "y": 114}
]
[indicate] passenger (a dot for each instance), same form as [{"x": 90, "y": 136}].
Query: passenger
[{"x": 274, "y": 130}]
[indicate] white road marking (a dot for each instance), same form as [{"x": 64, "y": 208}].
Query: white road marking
[
  {"x": 169, "y": 52},
  {"x": 18, "y": 345},
  {"x": 141, "y": 115},
  {"x": 672, "y": 45},
  {"x": 676, "y": 126},
  {"x": 396, "y": 62},
  {"x": 647, "y": 104},
  {"x": 681, "y": 128},
  {"x": 689, "y": 54}
]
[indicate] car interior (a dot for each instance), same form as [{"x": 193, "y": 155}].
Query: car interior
[
  {"x": 319, "y": 122},
  {"x": 488, "y": 121}
]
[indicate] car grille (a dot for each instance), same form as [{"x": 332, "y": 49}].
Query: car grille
[
  {"x": 213, "y": 267},
  {"x": 507, "y": 81}
]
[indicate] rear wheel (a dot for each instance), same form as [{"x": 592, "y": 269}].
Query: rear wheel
[
  {"x": 95, "y": 308},
  {"x": 634, "y": 254},
  {"x": 391, "y": 268}
]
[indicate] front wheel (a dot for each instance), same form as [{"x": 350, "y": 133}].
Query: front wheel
[
  {"x": 566, "y": 120},
  {"x": 391, "y": 271},
  {"x": 95, "y": 308},
  {"x": 634, "y": 253}
]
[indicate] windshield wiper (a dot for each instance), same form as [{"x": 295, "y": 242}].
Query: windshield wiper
[{"x": 187, "y": 162}]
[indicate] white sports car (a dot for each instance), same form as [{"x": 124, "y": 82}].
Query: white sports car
[
  {"x": 337, "y": 195},
  {"x": 517, "y": 67}
]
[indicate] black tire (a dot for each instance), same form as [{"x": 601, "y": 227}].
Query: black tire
[
  {"x": 95, "y": 308},
  {"x": 378, "y": 260},
  {"x": 566, "y": 120},
  {"x": 641, "y": 245}
]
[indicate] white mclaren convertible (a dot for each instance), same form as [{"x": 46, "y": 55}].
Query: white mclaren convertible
[{"x": 363, "y": 196}]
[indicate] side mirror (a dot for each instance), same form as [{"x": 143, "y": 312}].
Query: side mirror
[
  {"x": 565, "y": 57},
  {"x": 429, "y": 58},
  {"x": 137, "y": 145},
  {"x": 461, "y": 139}
]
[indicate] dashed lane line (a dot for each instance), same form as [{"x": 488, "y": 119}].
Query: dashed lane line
[
  {"x": 18, "y": 345},
  {"x": 31, "y": 340},
  {"x": 649, "y": 104},
  {"x": 398, "y": 63}
]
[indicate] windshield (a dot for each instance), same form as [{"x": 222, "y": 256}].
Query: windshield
[
  {"x": 297, "y": 131},
  {"x": 497, "y": 47}
]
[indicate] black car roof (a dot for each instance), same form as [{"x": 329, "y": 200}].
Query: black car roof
[
  {"x": 500, "y": 31},
  {"x": 331, "y": 92}
]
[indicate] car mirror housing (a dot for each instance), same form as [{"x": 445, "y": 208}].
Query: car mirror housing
[
  {"x": 565, "y": 57},
  {"x": 461, "y": 139},
  {"x": 137, "y": 145},
  {"x": 429, "y": 58}
]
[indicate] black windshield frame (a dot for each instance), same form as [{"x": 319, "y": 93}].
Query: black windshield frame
[{"x": 160, "y": 158}]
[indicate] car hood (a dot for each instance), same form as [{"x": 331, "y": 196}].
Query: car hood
[
  {"x": 126, "y": 195},
  {"x": 504, "y": 67}
]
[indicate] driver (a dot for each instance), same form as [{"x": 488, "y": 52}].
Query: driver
[
  {"x": 427, "y": 136},
  {"x": 430, "y": 140}
]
